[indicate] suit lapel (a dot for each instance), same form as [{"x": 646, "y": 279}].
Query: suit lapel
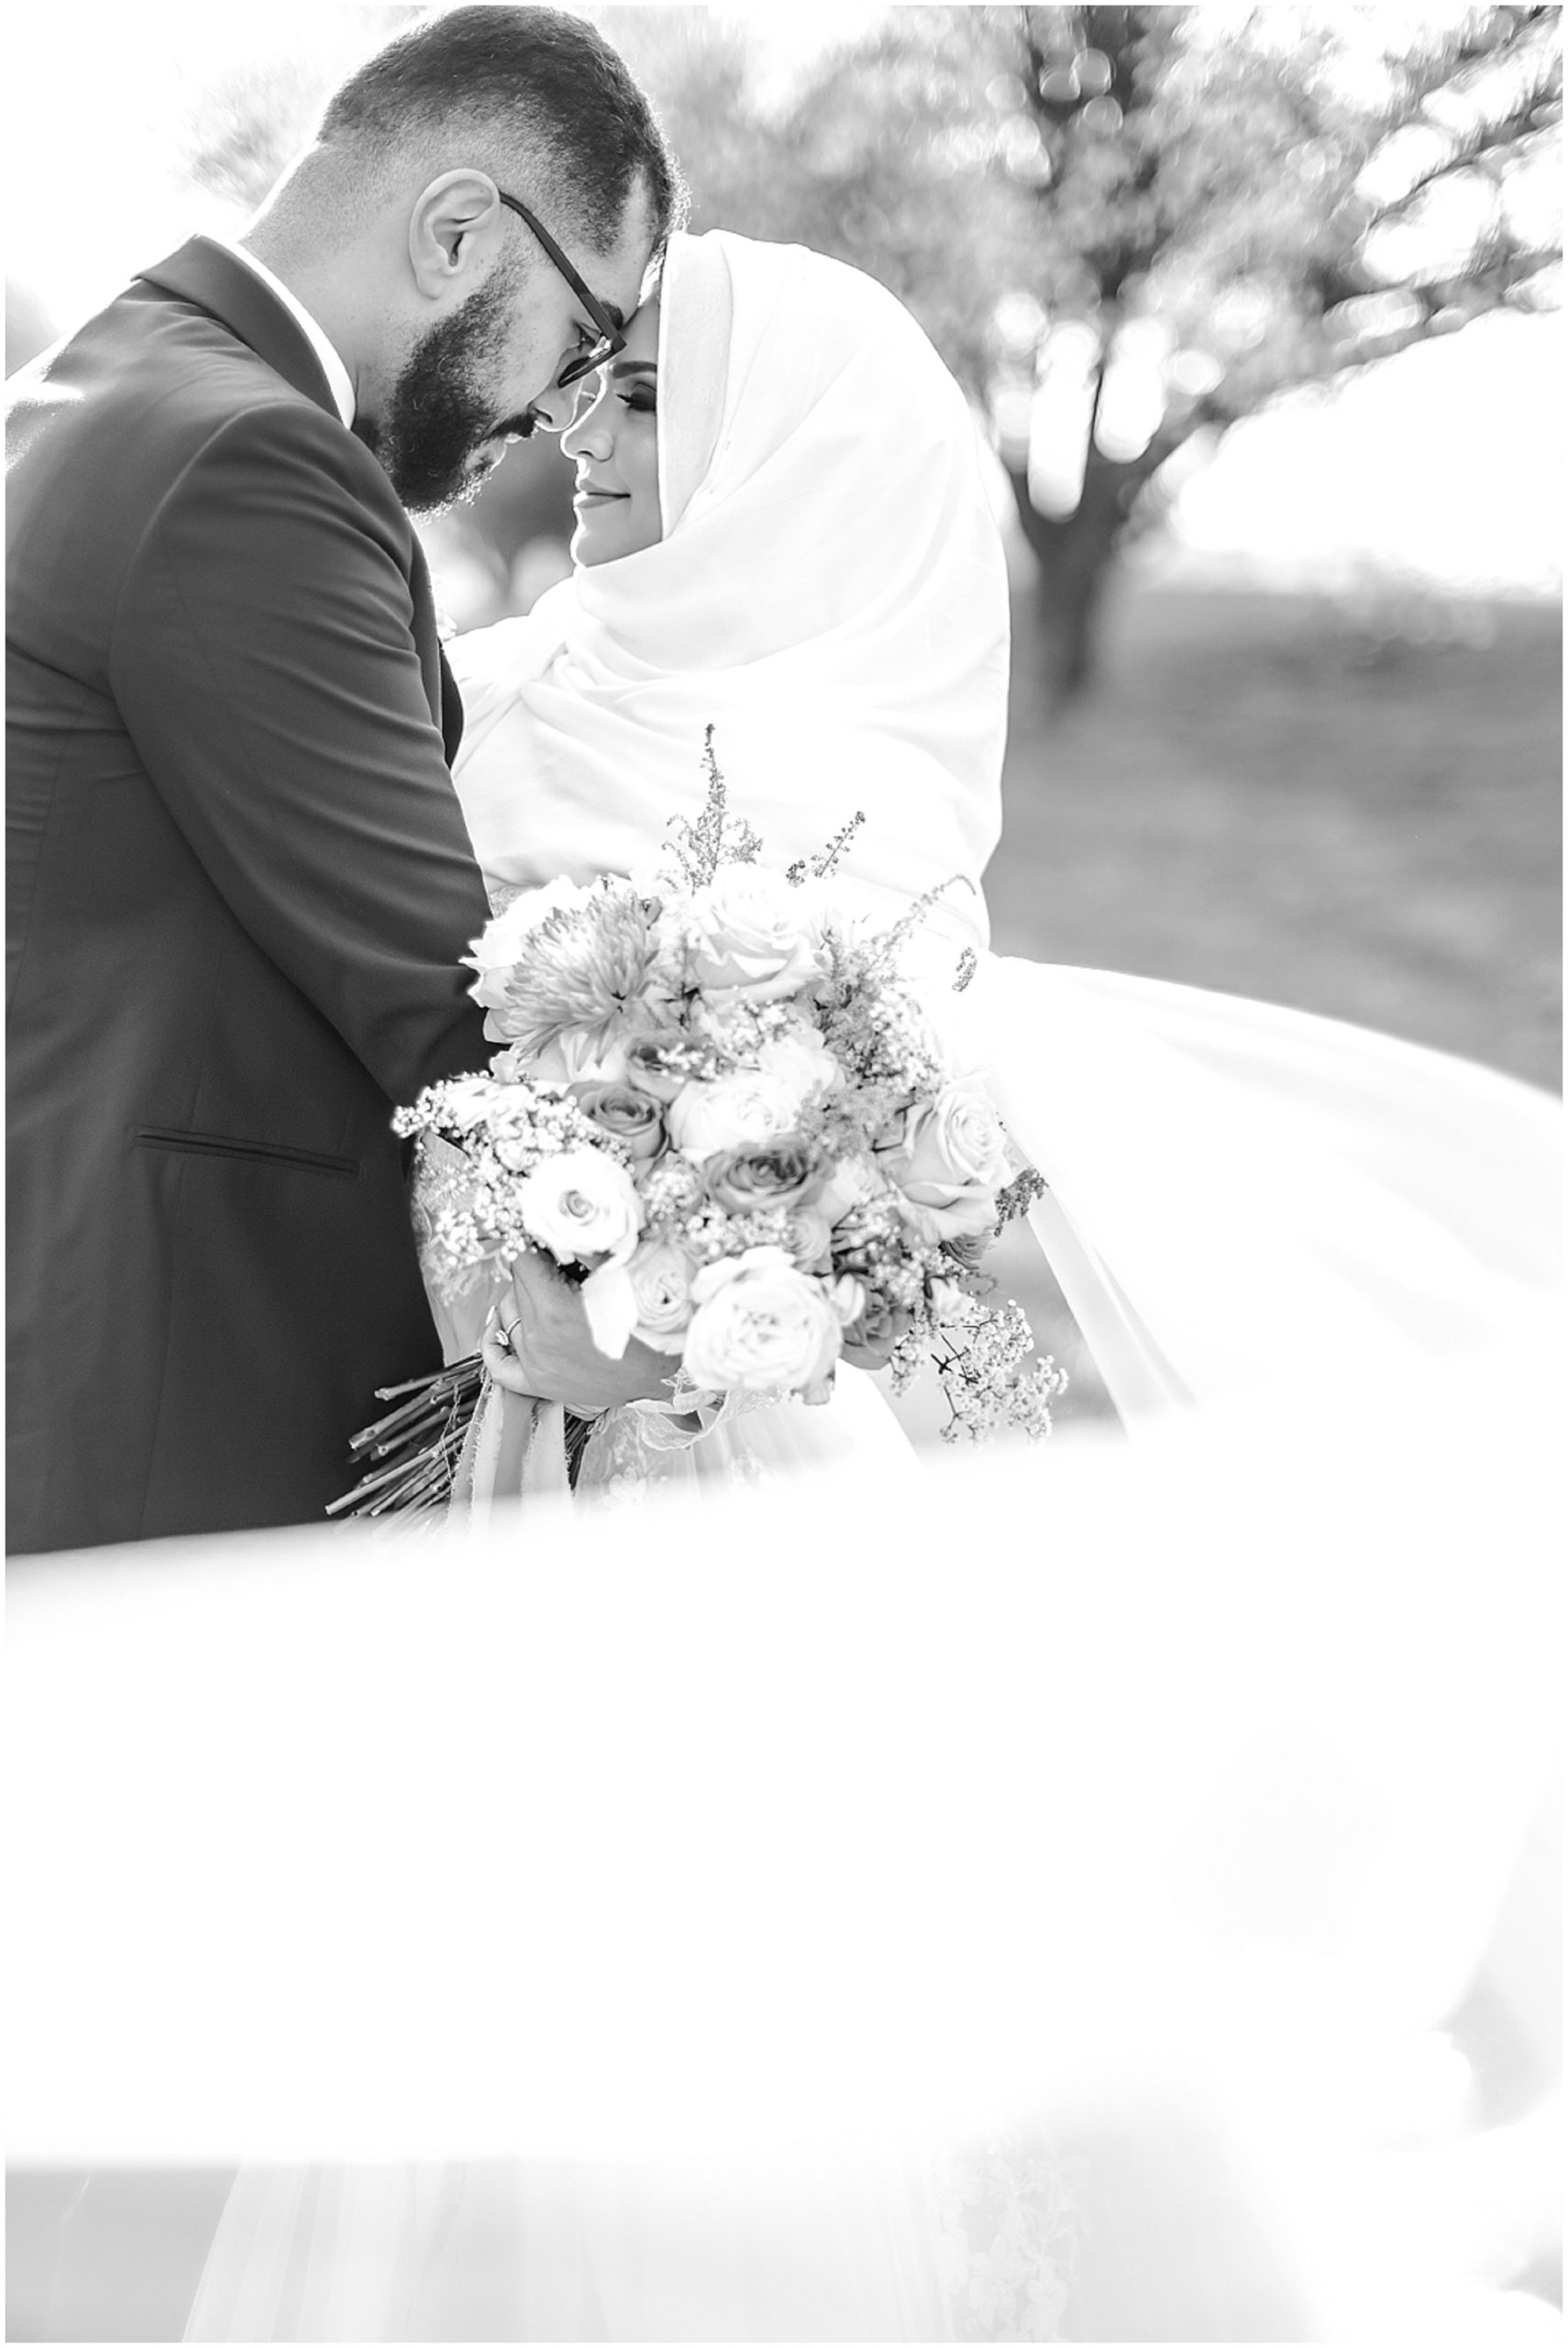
[{"x": 208, "y": 275}]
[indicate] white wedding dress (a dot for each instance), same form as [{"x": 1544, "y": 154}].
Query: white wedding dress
[{"x": 1244, "y": 1204}]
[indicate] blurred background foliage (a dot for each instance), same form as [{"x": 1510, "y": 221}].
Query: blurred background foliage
[{"x": 1294, "y": 269}]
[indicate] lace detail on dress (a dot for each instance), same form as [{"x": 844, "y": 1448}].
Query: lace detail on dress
[
  {"x": 639, "y": 1445},
  {"x": 1006, "y": 2242},
  {"x": 460, "y": 1294},
  {"x": 443, "y": 1182}
]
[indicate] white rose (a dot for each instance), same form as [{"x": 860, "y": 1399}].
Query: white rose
[
  {"x": 661, "y": 1274},
  {"x": 729, "y": 1112},
  {"x": 969, "y": 1132},
  {"x": 581, "y": 1205},
  {"x": 802, "y": 1065},
  {"x": 951, "y": 1160},
  {"x": 470, "y": 1101},
  {"x": 761, "y": 1325},
  {"x": 961, "y": 1214},
  {"x": 808, "y": 1236},
  {"x": 503, "y": 941},
  {"x": 851, "y": 1184},
  {"x": 748, "y": 929},
  {"x": 577, "y": 1057}
]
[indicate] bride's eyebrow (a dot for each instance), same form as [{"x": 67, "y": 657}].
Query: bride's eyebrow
[{"x": 619, "y": 367}]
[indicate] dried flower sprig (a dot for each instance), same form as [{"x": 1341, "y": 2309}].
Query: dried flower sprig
[
  {"x": 715, "y": 838},
  {"x": 882, "y": 950},
  {"x": 1019, "y": 1195},
  {"x": 820, "y": 866}
]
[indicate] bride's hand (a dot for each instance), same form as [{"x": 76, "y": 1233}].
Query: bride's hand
[{"x": 536, "y": 1342}]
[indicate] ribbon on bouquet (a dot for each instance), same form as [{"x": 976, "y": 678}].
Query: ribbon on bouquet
[{"x": 515, "y": 1448}]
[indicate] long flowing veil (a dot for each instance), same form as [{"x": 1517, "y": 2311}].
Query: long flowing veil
[{"x": 1158, "y": 1811}]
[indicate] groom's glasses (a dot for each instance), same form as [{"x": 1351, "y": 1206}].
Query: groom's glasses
[{"x": 611, "y": 337}]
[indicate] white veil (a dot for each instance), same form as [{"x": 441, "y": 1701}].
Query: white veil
[{"x": 842, "y": 623}]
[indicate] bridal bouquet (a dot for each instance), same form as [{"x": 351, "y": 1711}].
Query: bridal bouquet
[{"x": 717, "y": 1106}]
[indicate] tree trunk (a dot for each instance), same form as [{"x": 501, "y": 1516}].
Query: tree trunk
[{"x": 1076, "y": 552}]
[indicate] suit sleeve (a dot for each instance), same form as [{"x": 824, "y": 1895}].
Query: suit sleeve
[{"x": 264, "y": 663}]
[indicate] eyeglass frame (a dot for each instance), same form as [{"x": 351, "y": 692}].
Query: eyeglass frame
[{"x": 612, "y": 338}]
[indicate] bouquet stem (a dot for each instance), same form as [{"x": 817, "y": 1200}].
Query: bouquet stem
[{"x": 412, "y": 1453}]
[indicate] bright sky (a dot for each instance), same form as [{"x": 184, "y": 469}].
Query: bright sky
[
  {"x": 1445, "y": 461},
  {"x": 91, "y": 113}
]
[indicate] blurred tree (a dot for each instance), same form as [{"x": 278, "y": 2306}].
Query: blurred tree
[
  {"x": 240, "y": 132},
  {"x": 1231, "y": 203},
  {"x": 28, "y": 327},
  {"x": 881, "y": 150}
]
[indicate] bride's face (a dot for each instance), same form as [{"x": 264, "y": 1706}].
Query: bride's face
[{"x": 615, "y": 444}]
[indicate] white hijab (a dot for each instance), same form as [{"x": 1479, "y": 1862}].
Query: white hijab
[{"x": 829, "y": 592}]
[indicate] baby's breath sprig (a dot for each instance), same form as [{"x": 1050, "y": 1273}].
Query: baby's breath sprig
[
  {"x": 981, "y": 1357},
  {"x": 968, "y": 963},
  {"x": 504, "y": 1130},
  {"x": 877, "y": 1243},
  {"x": 735, "y": 1032},
  {"x": 821, "y": 866},
  {"x": 876, "y": 1027},
  {"x": 834, "y": 1126},
  {"x": 671, "y": 1191},
  {"x": 716, "y": 837},
  {"x": 909, "y": 1357}
]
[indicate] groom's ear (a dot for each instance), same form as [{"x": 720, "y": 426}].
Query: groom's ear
[{"x": 454, "y": 231}]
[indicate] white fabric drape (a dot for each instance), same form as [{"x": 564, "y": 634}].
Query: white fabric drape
[
  {"x": 1182, "y": 1780},
  {"x": 1245, "y": 1199}
]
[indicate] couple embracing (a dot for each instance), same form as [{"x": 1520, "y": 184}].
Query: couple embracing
[
  {"x": 256, "y": 821},
  {"x": 240, "y": 880}
]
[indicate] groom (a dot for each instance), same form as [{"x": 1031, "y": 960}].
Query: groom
[{"x": 239, "y": 880}]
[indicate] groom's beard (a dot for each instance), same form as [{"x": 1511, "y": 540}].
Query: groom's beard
[{"x": 438, "y": 418}]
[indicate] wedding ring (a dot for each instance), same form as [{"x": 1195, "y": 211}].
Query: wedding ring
[{"x": 507, "y": 1327}]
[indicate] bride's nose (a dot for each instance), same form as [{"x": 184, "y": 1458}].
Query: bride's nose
[{"x": 591, "y": 434}]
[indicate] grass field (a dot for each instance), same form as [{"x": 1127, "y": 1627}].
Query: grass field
[{"x": 1256, "y": 801}]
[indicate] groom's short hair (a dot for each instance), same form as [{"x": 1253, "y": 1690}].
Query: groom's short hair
[{"x": 526, "y": 82}]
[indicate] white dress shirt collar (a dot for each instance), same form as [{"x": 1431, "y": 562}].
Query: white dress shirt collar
[{"x": 337, "y": 374}]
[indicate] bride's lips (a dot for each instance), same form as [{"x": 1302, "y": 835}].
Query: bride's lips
[{"x": 588, "y": 496}]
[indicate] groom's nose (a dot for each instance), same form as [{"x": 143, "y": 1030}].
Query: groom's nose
[{"x": 553, "y": 409}]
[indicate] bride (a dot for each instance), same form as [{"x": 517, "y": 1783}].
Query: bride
[{"x": 783, "y": 531}]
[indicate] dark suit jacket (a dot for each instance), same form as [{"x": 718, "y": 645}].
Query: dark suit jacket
[{"x": 240, "y": 884}]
